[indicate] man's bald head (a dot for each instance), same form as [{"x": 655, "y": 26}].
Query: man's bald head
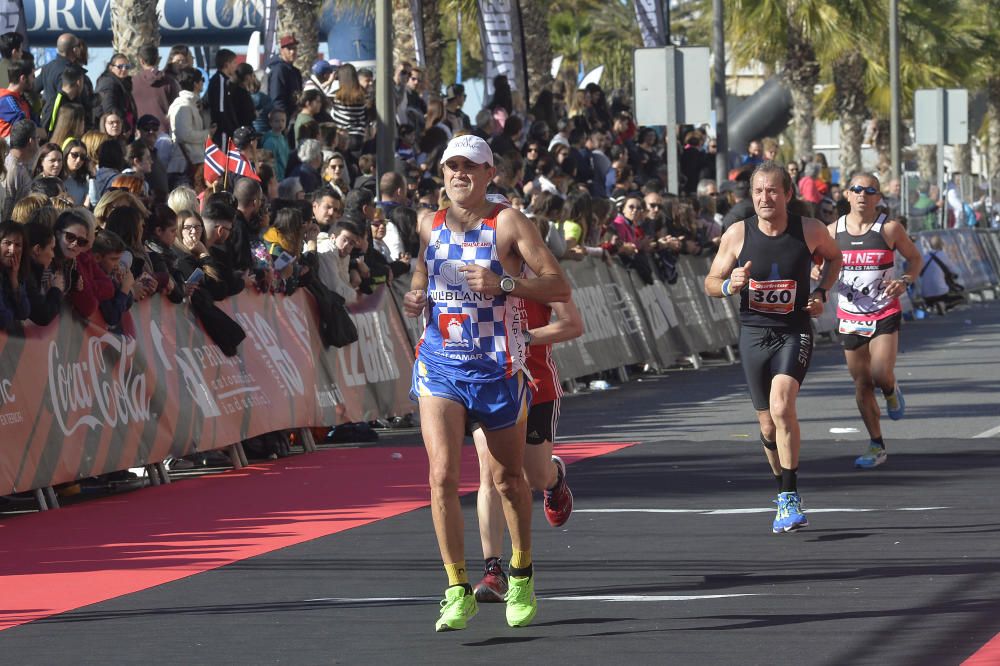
[
  {"x": 66, "y": 43},
  {"x": 247, "y": 191}
]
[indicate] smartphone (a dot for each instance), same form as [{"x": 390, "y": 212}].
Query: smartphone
[
  {"x": 138, "y": 263},
  {"x": 126, "y": 260},
  {"x": 283, "y": 260},
  {"x": 197, "y": 275}
]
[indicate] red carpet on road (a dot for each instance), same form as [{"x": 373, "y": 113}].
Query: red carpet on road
[{"x": 57, "y": 561}]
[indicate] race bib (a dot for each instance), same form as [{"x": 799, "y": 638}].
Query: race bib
[
  {"x": 865, "y": 329},
  {"x": 772, "y": 296}
]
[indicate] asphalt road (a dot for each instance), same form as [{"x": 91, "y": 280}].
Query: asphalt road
[{"x": 669, "y": 556}]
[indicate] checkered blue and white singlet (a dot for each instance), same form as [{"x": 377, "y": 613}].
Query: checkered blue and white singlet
[{"x": 470, "y": 337}]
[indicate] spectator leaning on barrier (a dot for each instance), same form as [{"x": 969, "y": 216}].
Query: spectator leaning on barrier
[
  {"x": 252, "y": 218},
  {"x": 46, "y": 289},
  {"x": 159, "y": 236},
  {"x": 108, "y": 251},
  {"x": 128, "y": 224},
  {"x": 14, "y": 303},
  {"x": 334, "y": 256},
  {"x": 86, "y": 283}
]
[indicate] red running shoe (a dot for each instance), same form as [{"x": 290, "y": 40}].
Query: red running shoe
[
  {"x": 559, "y": 500},
  {"x": 493, "y": 587}
]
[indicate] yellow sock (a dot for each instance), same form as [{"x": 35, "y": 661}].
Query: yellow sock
[
  {"x": 520, "y": 560},
  {"x": 456, "y": 573}
]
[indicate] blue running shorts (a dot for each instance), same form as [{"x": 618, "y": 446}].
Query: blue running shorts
[{"x": 495, "y": 405}]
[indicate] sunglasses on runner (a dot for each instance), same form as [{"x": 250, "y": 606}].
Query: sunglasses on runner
[{"x": 858, "y": 189}]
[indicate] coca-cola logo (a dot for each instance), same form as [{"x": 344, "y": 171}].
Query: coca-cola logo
[{"x": 114, "y": 390}]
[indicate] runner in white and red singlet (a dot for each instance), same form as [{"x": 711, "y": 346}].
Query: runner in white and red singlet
[{"x": 868, "y": 308}]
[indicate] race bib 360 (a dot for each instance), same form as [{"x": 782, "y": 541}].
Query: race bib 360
[{"x": 772, "y": 296}]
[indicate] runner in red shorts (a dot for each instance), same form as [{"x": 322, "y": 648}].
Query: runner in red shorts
[{"x": 543, "y": 470}]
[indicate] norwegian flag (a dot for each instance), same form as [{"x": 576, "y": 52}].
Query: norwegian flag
[
  {"x": 214, "y": 167},
  {"x": 239, "y": 164}
]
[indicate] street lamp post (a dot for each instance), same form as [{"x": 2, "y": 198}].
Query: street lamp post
[
  {"x": 385, "y": 127},
  {"x": 895, "y": 126}
]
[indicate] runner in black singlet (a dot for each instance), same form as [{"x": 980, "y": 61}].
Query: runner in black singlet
[{"x": 766, "y": 259}]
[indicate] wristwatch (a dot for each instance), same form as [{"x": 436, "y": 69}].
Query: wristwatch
[
  {"x": 527, "y": 337},
  {"x": 507, "y": 284},
  {"x": 822, "y": 293},
  {"x": 907, "y": 280}
]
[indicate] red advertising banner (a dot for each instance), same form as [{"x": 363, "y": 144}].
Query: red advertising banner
[{"x": 77, "y": 400}]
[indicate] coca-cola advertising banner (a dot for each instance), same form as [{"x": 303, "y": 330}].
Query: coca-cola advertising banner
[{"x": 77, "y": 400}]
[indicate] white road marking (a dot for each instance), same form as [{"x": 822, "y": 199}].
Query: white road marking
[
  {"x": 728, "y": 512},
  {"x": 842, "y": 431},
  {"x": 612, "y": 597},
  {"x": 642, "y": 597},
  {"x": 987, "y": 433}
]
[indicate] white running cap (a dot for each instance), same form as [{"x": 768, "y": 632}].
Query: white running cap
[{"x": 470, "y": 147}]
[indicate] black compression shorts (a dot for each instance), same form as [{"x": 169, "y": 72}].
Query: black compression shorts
[
  {"x": 543, "y": 420},
  {"x": 766, "y": 352}
]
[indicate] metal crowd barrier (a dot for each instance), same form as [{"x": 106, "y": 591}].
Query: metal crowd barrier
[{"x": 77, "y": 400}]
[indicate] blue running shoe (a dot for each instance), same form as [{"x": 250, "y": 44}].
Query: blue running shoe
[
  {"x": 895, "y": 404},
  {"x": 789, "y": 516},
  {"x": 874, "y": 457}
]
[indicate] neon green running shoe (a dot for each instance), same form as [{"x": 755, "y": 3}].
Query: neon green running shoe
[
  {"x": 456, "y": 608},
  {"x": 521, "y": 602}
]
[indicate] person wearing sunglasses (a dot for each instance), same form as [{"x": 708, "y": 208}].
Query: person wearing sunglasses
[
  {"x": 86, "y": 284},
  {"x": 868, "y": 307},
  {"x": 114, "y": 90},
  {"x": 766, "y": 260}
]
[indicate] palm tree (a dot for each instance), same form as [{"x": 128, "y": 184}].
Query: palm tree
[
  {"x": 937, "y": 47},
  {"x": 433, "y": 44},
  {"x": 134, "y": 23},
  {"x": 537, "y": 45},
  {"x": 403, "y": 42},
  {"x": 781, "y": 34}
]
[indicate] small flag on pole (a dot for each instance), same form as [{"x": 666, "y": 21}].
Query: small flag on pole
[{"x": 214, "y": 168}]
